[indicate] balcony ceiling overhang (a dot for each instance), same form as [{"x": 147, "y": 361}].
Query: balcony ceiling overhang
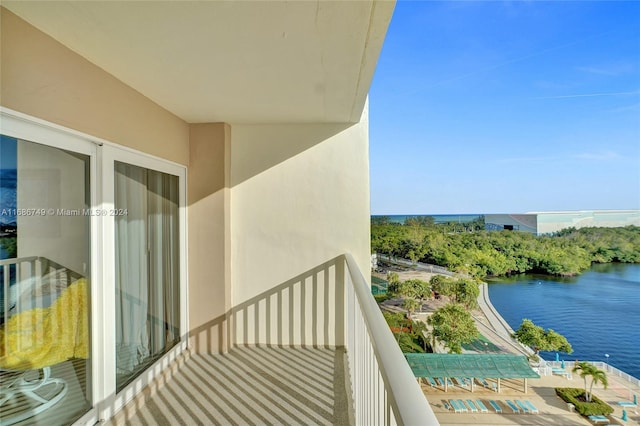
[{"x": 236, "y": 62}]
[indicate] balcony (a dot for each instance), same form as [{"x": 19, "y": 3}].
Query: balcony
[{"x": 313, "y": 350}]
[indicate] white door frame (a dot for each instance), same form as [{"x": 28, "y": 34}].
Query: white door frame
[
  {"x": 112, "y": 402},
  {"x": 102, "y": 154}
]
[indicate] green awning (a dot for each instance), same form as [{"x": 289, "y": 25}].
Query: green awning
[{"x": 489, "y": 366}]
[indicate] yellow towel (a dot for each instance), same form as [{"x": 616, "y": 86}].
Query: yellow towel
[{"x": 42, "y": 337}]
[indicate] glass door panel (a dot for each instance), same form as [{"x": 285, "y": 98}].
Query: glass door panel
[
  {"x": 146, "y": 267},
  {"x": 45, "y": 361}
]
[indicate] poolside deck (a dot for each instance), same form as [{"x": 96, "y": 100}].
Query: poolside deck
[{"x": 553, "y": 411}]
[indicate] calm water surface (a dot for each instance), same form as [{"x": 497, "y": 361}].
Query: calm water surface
[{"x": 598, "y": 311}]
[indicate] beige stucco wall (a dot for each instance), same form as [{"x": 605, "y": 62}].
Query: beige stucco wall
[
  {"x": 209, "y": 239},
  {"x": 300, "y": 197},
  {"x": 44, "y": 79}
]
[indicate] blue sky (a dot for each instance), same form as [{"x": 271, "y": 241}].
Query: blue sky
[{"x": 507, "y": 107}]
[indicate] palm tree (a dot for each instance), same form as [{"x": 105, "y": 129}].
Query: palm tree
[
  {"x": 584, "y": 369},
  {"x": 410, "y": 305},
  {"x": 394, "y": 282},
  {"x": 419, "y": 330},
  {"x": 597, "y": 376}
]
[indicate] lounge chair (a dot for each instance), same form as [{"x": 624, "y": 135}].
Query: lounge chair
[
  {"x": 431, "y": 382},
  {"x": 513, "y": 406},
  {"x": 522, "y": 406},
  {"x": 627, "y": 404},
  {"x": 447, "y": 406},
  {"x": 439, "y": 381},
  {"x": 456, "y": 407},
  {"x": 495, "y": 406},
  {"x": 472, "y": 406},
  {"x": 462, "y": 405},
  {"x": 494, "y": 386},
  {"x": 483, "y": 382},
  {"x": 599, "y": 419},
  {"x": 561, "y": 372},
  {"x": 459, "y": 382},
  {"x": 481, "y": 406},
  {"x": 532, "y": 407}
]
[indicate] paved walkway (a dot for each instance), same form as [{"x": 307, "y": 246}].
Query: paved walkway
[{"x": 499, "y": 331}]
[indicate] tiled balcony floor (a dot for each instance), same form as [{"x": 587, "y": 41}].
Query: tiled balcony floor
[{"x": 275, "y": 386}]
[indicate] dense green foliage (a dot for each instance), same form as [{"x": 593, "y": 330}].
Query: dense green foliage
[
  {"x": 414, "y": 289},
  {"x": 540, "y": 339},
  {"x": 453, "y": 325},
  {"x": 409, "y": 334},
  {"x": 461, "y": 290},
  {"x": 498, "y": 253},
  {"x": 575, "y": 396},
  {"x": 9, "y": 244}
]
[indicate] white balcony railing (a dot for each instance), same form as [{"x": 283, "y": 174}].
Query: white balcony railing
[
  {"x": 609, "y": 369},
  {"x": 330, "y": 306},
  {"x": 30, "y": 282},
  {"x": 385, "y": 392}
]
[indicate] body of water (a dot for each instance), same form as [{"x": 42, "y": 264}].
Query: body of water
[
  {"x": 8, "y": 191},
  {"x": 598, "y": 312}
]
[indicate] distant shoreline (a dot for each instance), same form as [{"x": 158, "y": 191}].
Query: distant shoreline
[{"x": 438, "y": 218}]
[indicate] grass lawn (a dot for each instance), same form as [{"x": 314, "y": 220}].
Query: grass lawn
[{"x": 481, "y": 344}]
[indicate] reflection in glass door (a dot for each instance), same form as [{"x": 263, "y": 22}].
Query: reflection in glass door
[
  {"x": 147, "y": 259},
  {"x": 44, "y": 284}
]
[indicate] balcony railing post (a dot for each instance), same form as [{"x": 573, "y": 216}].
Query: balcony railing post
[{"x": 340, "y": 309}]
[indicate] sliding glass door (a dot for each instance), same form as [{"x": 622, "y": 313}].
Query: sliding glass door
[
  {"x": 45, "y": 282},
  {"x": 147, "y": 268},
  {"x": 92, "y": 272}
]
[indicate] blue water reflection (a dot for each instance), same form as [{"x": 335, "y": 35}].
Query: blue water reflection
[{"x": 598, "y": 311}]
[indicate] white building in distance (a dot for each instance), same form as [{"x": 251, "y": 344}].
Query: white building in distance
[{"x": 548, "y": 222}]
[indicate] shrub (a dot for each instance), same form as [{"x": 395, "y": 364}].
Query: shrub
[
  {"x": 382, "y": 297},
  {"x": 596, "y": 407}
]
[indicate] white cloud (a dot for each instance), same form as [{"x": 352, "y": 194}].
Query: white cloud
[
  {"x": 599, "y": 156},
  {"x": 591, "y": 95},
  {"x": 612, "y": 70}
]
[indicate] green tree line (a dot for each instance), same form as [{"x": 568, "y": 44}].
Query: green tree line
[{"x": 498, "y": 253}]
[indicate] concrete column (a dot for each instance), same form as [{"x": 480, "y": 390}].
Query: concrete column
[{"x": 209, "y": 237}]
